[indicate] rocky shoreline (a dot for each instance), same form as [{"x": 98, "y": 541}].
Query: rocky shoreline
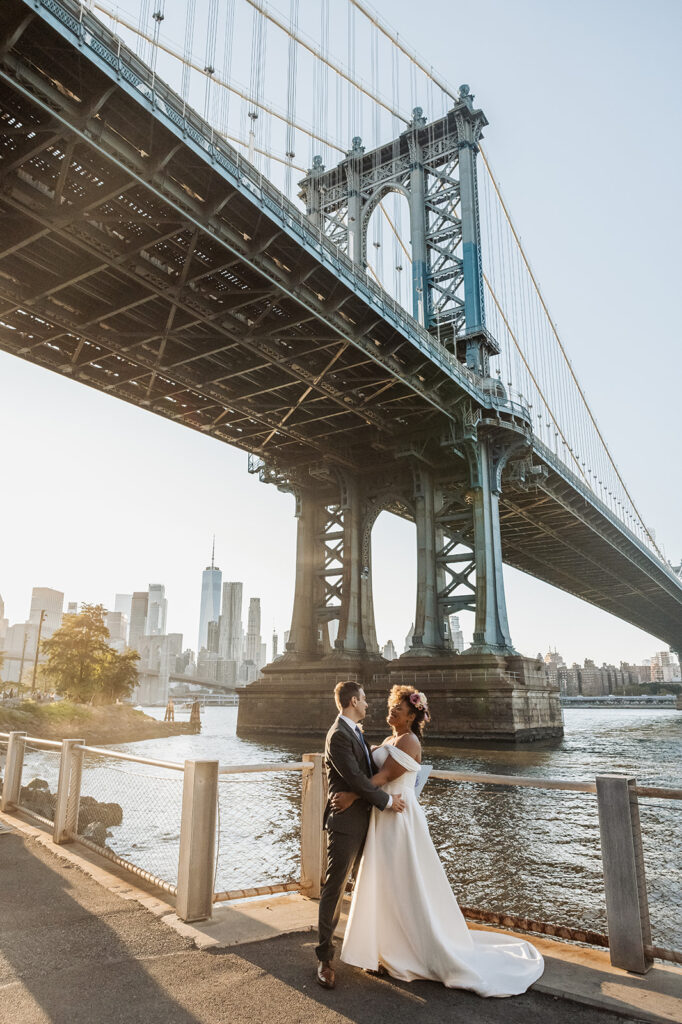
[{"x": 62, "y": 720}]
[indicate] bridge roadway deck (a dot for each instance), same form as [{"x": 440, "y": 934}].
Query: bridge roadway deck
[
  {"x": 144, "y": 257},
  {"x": 80, "y": 944}
]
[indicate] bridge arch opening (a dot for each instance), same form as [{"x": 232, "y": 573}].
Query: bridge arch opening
[
  {"x": 388, "y": 249},
  {"x": 394, "y": 578}
]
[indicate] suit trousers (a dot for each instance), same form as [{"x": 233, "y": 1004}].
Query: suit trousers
[{"x": 343, "y": 857}]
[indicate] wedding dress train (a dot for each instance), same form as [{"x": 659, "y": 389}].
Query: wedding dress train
[{"x": 404, "y": 915}]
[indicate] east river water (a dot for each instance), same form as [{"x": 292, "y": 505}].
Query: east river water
[{"x": 533, "y": 853}]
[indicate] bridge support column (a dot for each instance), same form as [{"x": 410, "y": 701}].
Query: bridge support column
[
  {"x": 491, "y": 630},
  {"x": 350, "y": 638},
  {"x": 417, "y": 202},
  {"x": 427, "y": 638},
  {"x": 303, "y": 635},
  {"x": 470, "y": 125}
]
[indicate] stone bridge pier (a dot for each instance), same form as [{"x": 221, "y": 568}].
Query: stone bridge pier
[{"x": 490, "y": 691}]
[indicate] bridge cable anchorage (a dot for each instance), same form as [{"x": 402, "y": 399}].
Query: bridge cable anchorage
[
  {"x": 220, "y": 81},
  {"x": 563, "y": 351}
]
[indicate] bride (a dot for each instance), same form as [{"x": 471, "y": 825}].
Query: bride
[{"x": 404, "y": 917}]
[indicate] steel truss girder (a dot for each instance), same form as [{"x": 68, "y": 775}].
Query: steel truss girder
[
  {"x": 455, "y": 557},
  {"x": 372, "y": 175}
]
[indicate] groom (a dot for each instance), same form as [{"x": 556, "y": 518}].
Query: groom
[{"x": 349, "y": 766}]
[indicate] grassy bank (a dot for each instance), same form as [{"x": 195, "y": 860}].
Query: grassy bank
[{"x": 96, "y": 725}]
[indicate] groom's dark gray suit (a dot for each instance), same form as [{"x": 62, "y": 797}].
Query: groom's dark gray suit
[{"x": 348, "y": 770}]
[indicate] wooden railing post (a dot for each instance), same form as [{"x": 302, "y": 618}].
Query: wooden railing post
[
  {"x": 313, "y": 799},
  {"x": 14, "y": 763},
  {"x": 627, "y": 909},
  {"x": 68, "y": 792},
  {"x": 196, "y": 861}
]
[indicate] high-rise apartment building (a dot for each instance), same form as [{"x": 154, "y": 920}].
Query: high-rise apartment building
[
  {"x": 213, "y": 639},
  {"x": 231, "y": 629},
  {"x": 44, "y": 599},
  {"x": 118, "y": 627},
  {"x": 138, "y": 619},
  {"x": 157, "y": 608},
  {"x": 211, "y": 580},
  {"x": 253, "y": 640},
  {"x": 456, "y": 634},
  {"x": 389, "y": 652}
]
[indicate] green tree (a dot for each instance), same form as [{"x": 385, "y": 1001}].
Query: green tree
[
  {"x": 77, "y": 653},
  {"x": 118, "y": 675}
]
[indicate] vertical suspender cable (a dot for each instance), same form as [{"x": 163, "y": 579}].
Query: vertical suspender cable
[{"x": 291, "y": 98}]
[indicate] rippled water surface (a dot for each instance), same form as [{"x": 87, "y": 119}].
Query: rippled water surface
[{"x": 524, "y": 851}]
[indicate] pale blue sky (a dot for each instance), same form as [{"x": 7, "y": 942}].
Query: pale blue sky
[{"x": 584, "y": 108}]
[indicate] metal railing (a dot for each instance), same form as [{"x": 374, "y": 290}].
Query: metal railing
[
  {"x": 240, "y": 831},
  {"x": 639, "y": 915},
  {"x": 259, "y": 830}
]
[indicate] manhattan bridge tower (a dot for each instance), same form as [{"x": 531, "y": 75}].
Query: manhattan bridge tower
[{"x": 449, "y": 486}]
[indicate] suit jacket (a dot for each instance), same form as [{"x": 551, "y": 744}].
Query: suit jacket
[{"x": 347, "y": 771}]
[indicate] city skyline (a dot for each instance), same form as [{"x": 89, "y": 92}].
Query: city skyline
[{"x": 84, "y": 467}]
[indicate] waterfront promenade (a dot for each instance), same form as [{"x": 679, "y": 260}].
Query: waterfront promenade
[{"x": 80, "y": 942}]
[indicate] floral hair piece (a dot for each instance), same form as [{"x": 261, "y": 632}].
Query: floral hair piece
[{"x": 419, "y": 701}]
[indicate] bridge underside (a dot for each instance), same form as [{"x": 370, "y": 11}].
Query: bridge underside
[{"x": 140, "y": 261}]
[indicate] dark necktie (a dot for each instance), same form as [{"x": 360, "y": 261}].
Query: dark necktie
[{"x": 358, "y": 730}]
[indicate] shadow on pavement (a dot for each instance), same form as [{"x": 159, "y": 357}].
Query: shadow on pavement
[
  {"x": 368, "y": 999},
  {"x": 71, "y": 951}
]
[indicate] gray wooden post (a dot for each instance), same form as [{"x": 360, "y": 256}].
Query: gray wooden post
[
  {"x": 627, "y": 909},
  {"x": 14, "y": 762},
  {"x": 313, "y": 798},
  {"x": 68, "y": 792},
  {"x": 196, "y": 862}
]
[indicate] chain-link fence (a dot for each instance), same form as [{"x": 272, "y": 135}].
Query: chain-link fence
[
  {"x": 133, "y": 811},
  {"x": 661, "y": 824},
  {"x": 259, "y": 830},
  {"x": 551, "y": 872},
  {"x": 39, "y": 779}
]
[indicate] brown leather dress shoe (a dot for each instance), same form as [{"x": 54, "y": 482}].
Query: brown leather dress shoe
[{"x": 325, "y": 974}]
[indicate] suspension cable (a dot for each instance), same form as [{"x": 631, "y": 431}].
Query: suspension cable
[
  {"x": 563, "y": 350},
  {"x": 219, "y": 81},
  {"x": 410, "y": 54},
  {"x": 317, "y": 53}
]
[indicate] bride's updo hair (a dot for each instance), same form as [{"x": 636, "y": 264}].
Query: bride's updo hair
[{"x": 417, "y": 702}]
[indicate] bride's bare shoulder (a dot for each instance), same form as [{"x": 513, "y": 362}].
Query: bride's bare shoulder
[{"x": 411, "y": 745}]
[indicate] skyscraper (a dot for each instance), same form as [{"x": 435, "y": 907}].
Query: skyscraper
[
  {"x": 456, "y": 634},
  {"x": 231, "y": 629},
  {"x": 209, "y": 611},
  {"x": 52, "y": 603},
  {"x": 253, "y": 640},
  {"x": 213, "y": 639},
  {"x": 138, "y": 618},
  {"x": 157, "y": 608}
]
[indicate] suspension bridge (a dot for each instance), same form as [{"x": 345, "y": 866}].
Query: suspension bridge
[{"x": 329, "y": 278}]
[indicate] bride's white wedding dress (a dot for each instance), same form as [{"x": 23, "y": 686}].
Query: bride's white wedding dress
[{"x": 404, "y": 915}]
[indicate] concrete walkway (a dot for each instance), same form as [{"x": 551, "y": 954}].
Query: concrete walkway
[{"x": 80, "y": 944}]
